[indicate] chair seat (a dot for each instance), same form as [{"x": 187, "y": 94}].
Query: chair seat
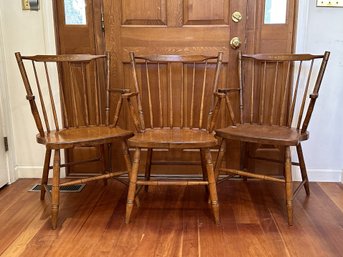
[
  {"x": 173, "y": 138},
  {"x": 67, "y": 138},
  {"x": 263, "y": 134}
]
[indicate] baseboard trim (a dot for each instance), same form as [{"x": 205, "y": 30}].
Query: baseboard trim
[
  {"x": 33, "y": 172},
  {"x": 315, "y": 175},
  {"x": 319, "y": 175}
]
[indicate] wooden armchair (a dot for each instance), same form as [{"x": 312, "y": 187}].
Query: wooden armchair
[
  {"x": 277, "y": 96},
  {"x": 86, "y": 122},
  {"x": 174, "y": 107}
]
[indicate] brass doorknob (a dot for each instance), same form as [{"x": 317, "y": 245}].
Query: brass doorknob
[
  {"x": 235, "y": 43},
  {"x": 236, "y": 16}
]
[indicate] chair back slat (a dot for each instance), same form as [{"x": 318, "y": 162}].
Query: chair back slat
[
  {"x": 285, "y": 96},
  {"x": 170, "y": 88},
  {"x": 63, "y": 101},
  {"x": 295, "y": 94},
  {"x": 304, "y": 96},
  {"x": 203, "y": 96},
  {"x": 73, "y": 84},
  {"x": 177, "y": 89},
  {"x": 97, "y": 99},
  {"x": 241, "y": 98},
  {"x": 192, "y": 96},
  {"x": 149, "y": 94},
  {"x": 278, "y": 87},
  {"x": 182, "y": 96},
  {"x": 52, "y": 100},
  {"x": 45, "y": 116},
  {"x": 160, "y": 94},
  {"x": 274, "y": 93},
  {"x": 75, "y": 98},
  {"x": 252, "y": 95},
  {"x": 262, "y": 95},
  {"x": 85, "y": 98}
]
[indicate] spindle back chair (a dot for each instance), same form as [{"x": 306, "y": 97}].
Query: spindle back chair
[
  {"x": 277, "y": 96},
  {"x": 174, "y": 105},
  {"x": 87, "y": 121}
]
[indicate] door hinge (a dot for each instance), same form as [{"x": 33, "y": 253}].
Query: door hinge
[
  {"x": 102, "y": 21},
  {"x": 6, "y": 143}
]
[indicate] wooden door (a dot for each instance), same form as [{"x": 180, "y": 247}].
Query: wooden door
[{"x": 79, "y": 29}]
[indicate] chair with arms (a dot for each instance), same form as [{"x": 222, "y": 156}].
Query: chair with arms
[
  {"x": 87, "y": 121},
  {"x": 277, "y": 96},
  {"x": 174, "y": 105}
]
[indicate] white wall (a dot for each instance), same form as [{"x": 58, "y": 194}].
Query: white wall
[
  {"x": 29, "y": 32},
  {"x": 319, "y": 29}
]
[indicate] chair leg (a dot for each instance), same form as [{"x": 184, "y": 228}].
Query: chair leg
[
  {"x": 303, "y": 169},
  {"x": 244, "y": 158},
  {"x": 148, "y": 167},
  {"x": 219, "y": 159},
  {"x": 212, "y": 184},
  {"x": 55, "y": 192},
  {"x": 104, "y": 160},
  {"x": 127, "y": 160},
  {"x": 45, "y": 174},
  {"x": 289, "y": 185},
  {"x": 132, "y": 187},
  {"x": 203, "y": 168}
]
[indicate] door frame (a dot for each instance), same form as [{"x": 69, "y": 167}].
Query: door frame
[{"x": 5, "y": 121}]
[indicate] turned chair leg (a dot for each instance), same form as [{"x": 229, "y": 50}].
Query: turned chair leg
[
  {"x": 203, "y": 168},
  {"x": 303, "y": 169},
  {"x": 219, "y": 159},
  {"x": 45, "y": 174},
  {"x": 132, "y": 186},
  {"x": 244, "y": 158},
  {"x": 55, "y": 191},
  {"x": 127, "y": 159},
  {"x": 212, "y": 184},
  {"x": 289, "y": 185},
  {"x": 148, "y": 167},
  {"x": 104, "y": 161}
]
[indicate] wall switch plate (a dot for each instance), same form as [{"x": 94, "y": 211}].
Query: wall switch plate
[
  {"x": 330, "y": 3},
  {"x": 31, "y": 5}
]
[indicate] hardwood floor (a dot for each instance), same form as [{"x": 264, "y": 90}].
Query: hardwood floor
[{"x": 173, "y": 221}]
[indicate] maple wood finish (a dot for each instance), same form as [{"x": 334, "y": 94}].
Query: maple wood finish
[
  {"x": 95, "y": 126},
  {"x": 172, "y": 222},
  {"x": 275, "y": 113},
  {"x": 185, "y": 122}
]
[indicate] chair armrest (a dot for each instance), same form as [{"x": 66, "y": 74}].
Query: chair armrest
[{"x": 313, "y": 96}]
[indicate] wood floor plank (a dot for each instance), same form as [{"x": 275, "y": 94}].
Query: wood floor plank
[
  {"x": 303, "y": 238},
  {"x": 173, "y": 221},
  {"x": 334, "y": 191},
  {"x": 6, "y": 193}
]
